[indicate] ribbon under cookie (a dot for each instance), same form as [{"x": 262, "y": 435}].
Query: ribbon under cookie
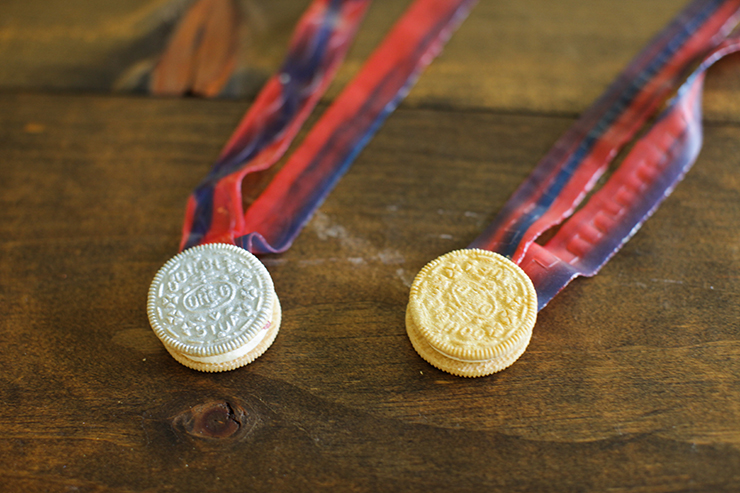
[
  {"x": 648, "y": 174},
  {"x": 271, "y": 223}
]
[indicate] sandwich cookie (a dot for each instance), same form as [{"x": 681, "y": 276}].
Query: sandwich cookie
[
  {"x": 214, "y": 307},
  {"x": 471, "y": 312}
]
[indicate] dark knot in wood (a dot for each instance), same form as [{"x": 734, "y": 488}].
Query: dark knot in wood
[{"x": 216, "y": 419}]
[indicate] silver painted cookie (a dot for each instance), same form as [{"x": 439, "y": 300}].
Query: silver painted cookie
[{"x": 214, "y": 305}]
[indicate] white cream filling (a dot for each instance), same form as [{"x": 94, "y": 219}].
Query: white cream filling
[
  {"x": 457, "y": 358},
  {"x": 246, "y": 348},
  {"x": 236, "y": 353},
  {"x": 503, "y": 356},
  {"x": 460, "y": 359},
  {"x": 419, "y": 334}
]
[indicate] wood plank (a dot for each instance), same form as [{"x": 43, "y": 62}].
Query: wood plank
[
  {"x": 530, "y": 55},
  {"x": 631, "y": 381}
]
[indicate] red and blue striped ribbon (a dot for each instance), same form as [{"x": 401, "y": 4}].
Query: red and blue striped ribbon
[
  {"x": 274, "y": 219},
  {"x": 550, "y": 195},
  {"x": 616, "y": 211},
  {"x": 657, "y": 162}
]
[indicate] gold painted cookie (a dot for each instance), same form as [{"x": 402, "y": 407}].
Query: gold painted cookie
[
  {"x": 214, "y": 307},
  {"x": 471, "y": 312}
]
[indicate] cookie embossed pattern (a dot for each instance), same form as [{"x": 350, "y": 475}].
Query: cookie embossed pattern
[
  {"x": 214, "y": 307},
  {"x": 471, "y": 312}
]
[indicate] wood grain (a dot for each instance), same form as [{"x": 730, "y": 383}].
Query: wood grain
[
  {"x": 534, "y": 55},
  {"x": 631, "y": 381}
]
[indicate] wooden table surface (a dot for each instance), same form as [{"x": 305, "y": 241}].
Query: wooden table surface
[{"x": 631, "y": 381}]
